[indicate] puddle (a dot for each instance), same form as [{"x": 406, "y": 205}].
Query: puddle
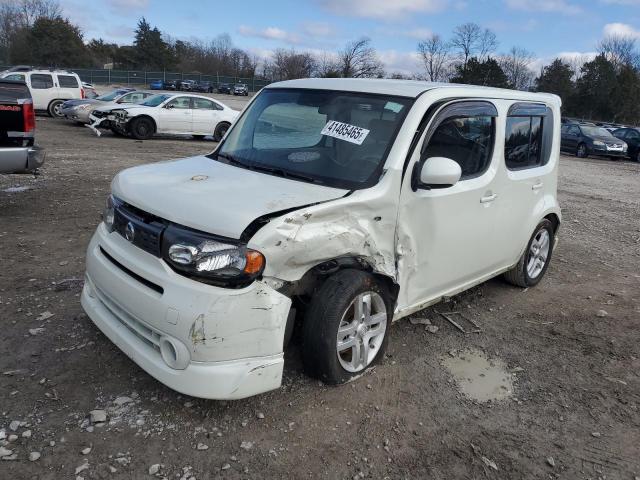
[
  {"x": 16, "y": 189},
  {"x": 479, "y": 378}
]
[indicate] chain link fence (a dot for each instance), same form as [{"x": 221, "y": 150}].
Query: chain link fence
[{"x": 144, "y": 78}]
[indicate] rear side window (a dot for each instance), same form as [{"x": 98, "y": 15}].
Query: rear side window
[
  {"x": 528, "y": 136},
  {"x": 41, "y": 81},
  {"x": 465, "y": 135},
  {"x": 67, "y": 81},
  {"x": 204, "y": 104},
  {"x": 15, "y": 76}
]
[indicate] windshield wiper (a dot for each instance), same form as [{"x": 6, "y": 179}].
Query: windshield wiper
[
  {"x": 232, "y": 160},
  {"x": 284, "y": 173}
]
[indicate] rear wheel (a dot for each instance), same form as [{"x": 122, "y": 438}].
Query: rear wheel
[
  {"x": 346, "y": 328},
  {"x": 220, "y": 131},
  {"x": 582, "y": 151},
  {"x": 535, "y": 260},
  {"x": 141, "y": 128},
  {"x": 55, "y": 108}
]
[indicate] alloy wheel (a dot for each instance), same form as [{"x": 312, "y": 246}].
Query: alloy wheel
[
  {"x": 361, "y": 331},
  {"x": 538, "y": 253}
]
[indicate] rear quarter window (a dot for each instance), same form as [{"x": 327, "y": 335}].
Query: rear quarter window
[
  {"x": 41, "y": 81},
  {"x": 528, "y": 136},
  {"x": 68, "y": 81}
]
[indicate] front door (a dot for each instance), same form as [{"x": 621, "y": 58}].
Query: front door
[
  {"x": 447, "y": 236},
  {"x": 176, "y": 116}
]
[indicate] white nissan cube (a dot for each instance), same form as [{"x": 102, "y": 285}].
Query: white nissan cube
[{"x": 337, "y": 205}]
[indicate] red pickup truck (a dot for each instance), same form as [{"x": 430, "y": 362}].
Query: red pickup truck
[{"x": 18, "y": 152}]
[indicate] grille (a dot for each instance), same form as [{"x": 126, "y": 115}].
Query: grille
[{"x": 145, "y": 233}]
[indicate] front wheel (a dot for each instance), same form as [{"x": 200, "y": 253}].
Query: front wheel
[
  {"x": 535, "y": 260},
  {"x": 346, "y": 328},
  {"x": 638, "y": 156},
  {"x": 220, "y": 131},
  {"x": 141, "y": 128}
]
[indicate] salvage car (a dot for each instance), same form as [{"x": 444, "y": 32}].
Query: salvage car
[
  {"x": 588, "y": 139},
  {"x": 631, "y": 136},
  {"x": 79, "y": 110},
  {"x": 18, "y": 152},
  {"x": 240, "y": 89},
  {"x": 49, "y": 88},
  {"x": 341, "y": 204},
  {"x": 178, "y": 114}
]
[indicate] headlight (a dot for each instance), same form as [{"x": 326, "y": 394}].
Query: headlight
[
  {"x": 624, "y": 147},
  {"x": 108, "y": 214},
  {"x": 209, "y": 259},
  {"x": 598, "y": 143}
]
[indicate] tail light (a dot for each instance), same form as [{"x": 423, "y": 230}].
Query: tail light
[
  {"x": 28, "y": 117},
  {"x": 82, "y": 95}
]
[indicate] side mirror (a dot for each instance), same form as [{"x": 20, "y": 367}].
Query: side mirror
[{"x": 439, "y": 172}]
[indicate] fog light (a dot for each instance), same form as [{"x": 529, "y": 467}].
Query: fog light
[{"x": 174, "y": 353}]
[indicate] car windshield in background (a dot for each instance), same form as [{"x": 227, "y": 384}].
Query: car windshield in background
[
  {"x": 107, "y": 97},
  {"x": 339, "y": 139},
  {"x": 154, "y": 100},
  {"x": 596, "y": 131}
]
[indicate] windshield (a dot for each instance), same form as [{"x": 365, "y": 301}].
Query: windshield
[
  {"x": 596, "y": 131},
  {"x": 107, "y": 97},
  {"x": 339, "y": 139},
  {"x": 155, "y": 100}
]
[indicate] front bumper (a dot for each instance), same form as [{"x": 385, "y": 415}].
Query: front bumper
[
  {"x": 227, "y": 344},
  {"x": 606, "y": 152}
]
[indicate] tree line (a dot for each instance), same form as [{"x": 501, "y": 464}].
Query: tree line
[{"x": 607, "y": 88}]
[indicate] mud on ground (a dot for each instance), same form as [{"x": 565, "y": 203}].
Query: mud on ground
[{"x": 569, "y": 349}]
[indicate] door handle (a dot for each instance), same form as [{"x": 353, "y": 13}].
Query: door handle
[
  {"x": 489, "y": 198},
  {"x": 537, "y": 186}
]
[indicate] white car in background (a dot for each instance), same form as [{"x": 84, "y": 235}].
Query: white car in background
[{"x": 180, "y": 114}]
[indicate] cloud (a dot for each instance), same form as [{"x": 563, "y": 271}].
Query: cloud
[
  {"x": 630, "y": 3},
  {"x": 318, "y": 29},
  {"x": 555, "y": 6},
  {"x": 403, "y": 62},
  {"x": 620, "y": 30},
  {"x": 119, "y": 5},
  {"x": 382, "y": 9},
  {"x": 269, "y": 33},
  {"x": 120, "y": 32}
]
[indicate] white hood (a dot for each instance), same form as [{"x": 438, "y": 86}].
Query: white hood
[{"x": 211, "y": 196}]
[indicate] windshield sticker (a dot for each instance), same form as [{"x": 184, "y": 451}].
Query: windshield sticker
[{"x": 346, "y": 132}]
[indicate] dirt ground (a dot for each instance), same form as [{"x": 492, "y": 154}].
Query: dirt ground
[{"x": 568, "y": 351}]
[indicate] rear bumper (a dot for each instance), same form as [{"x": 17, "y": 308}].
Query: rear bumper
[
  {"x": 224, "y": 344},
  {"x": 21, "y": 159}
]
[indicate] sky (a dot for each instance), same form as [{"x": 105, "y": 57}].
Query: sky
[{"x": 548, "y": 28}]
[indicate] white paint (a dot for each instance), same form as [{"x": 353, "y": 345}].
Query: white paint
[{"x": 346, "y": 132}]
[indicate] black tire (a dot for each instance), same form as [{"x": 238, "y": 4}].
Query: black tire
[
  {"x": 320, "y": 329},
  {"x": 55, "y": 109},
  {"x": 582, "y": 151},
  {"x": 141, "y": 128},
  {"x": 198, "y": 137},
  {"x": 638, "y": 156},
  {"x": 518, "y": 275},
  {"x": 221, "y": 129}
]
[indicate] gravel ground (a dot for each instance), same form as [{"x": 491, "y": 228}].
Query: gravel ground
[{"x": 74, "y": 406}]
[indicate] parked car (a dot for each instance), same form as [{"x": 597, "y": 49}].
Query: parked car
[
  {"x": 157, "y": 85},
  {"x": 172, "y": 85},
  {"x": 188, "y": 85},
  {"x": 79, "y": 110},
  {"x": 49, "y": 88},
  {"x": 181, "y": 114},
  {"x": 631, "y": 136},
  {"x": 18, "y": 152},
  {"x": 587, "y": 139},
  {"x": 205, "y": 87},
  {"x": 240, "y": 89},
  {"x": 345, "y": 204},
  {"x": 224, "y": 88}
]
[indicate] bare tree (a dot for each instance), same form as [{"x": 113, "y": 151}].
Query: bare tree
[
  {"x": 620, "y": 50},
  {"x": 327, "y": 66},
  {"x": 434, "y": 52},
  {"x": 470, "y": 40},
  {"x": 290, "y": 64},
  {"x": 359, "y": 59},
  {"x": 515, "y": 66}
]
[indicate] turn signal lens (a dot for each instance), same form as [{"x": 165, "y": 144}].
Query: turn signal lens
[{"x": 255, "y": 262}]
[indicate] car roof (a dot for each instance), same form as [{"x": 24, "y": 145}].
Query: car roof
[{"x": 409, "y": 88}]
